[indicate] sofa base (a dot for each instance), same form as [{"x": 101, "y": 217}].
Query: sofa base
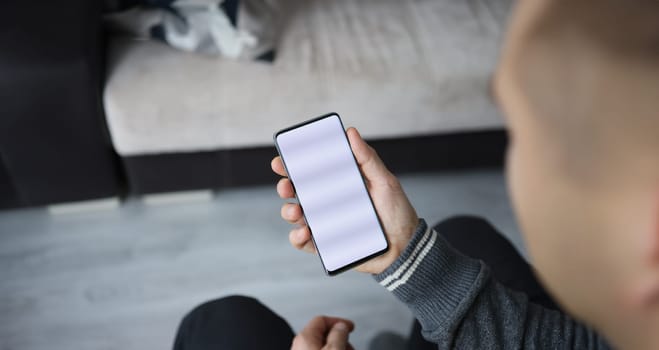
[{"x": 251, "y": 166}]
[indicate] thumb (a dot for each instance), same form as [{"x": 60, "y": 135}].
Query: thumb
[
  {"x": 369, "y": 162},
  {"x": 337, "y": 338}
]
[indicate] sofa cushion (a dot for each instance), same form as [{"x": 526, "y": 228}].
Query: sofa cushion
[{"x": 393, "y": 68}]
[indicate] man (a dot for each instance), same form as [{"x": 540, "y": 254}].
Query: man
[{"x": 579, "y": 84}]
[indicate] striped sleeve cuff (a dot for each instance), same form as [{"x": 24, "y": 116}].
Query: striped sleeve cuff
[
  {"x": 436, "y": 282},
  {"x": 423, "y": 241}
]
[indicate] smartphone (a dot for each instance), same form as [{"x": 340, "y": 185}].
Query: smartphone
[{"x": 329, "y": 187}]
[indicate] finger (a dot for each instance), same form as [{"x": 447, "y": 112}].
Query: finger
[
  {"x": 302, "y": 342},
  {"x": 300, "y": 238},
  {"x": 322, "y": 325},
  {"x": 369, "y": 162},
  {"x": 285, "y": 189},
  {"x": 330, "y": 321},
  {"x": 278, "y": 166},
  {"x": 292, "y": 213},
  {"x": 337, "y": 338},
  {"x": 309, "y": 247},
  {"x": 312, "y": 334}
]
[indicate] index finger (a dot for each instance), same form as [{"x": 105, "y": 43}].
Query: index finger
[
  {"x": 337, "y": 338},
  {"x": 278, "y": 166},
  {"x": 322, "y": 324}
]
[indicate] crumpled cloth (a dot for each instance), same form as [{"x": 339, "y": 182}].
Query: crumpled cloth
[{"x": 236, "y": 29}]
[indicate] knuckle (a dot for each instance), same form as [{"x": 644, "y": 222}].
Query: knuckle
[
  {"x": 297, "y": 242},
  {"x": 298, "y": 343},
  {"x": 292, "y": 236},
  {"x": 309, "y": 247},
  {"x": 393, "y": 182}
]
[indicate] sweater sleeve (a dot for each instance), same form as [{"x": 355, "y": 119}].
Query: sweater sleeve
[{"x": 460, "y": 306}]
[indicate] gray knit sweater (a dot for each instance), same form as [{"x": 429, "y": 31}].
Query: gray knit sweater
[{"x": 460, "y": 306}]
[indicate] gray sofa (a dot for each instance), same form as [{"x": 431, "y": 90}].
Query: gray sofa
[
  {"x": 399, "y": 70},
  {"x": 411, "y": 74}
]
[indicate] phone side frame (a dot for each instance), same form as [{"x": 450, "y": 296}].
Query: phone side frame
[{"x": 357, "y": 262}]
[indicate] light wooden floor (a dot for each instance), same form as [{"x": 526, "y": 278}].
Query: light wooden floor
[{"x": 122, "y": 279}]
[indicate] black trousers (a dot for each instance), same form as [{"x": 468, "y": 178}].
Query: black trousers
[{"x": 238, "y": 322}]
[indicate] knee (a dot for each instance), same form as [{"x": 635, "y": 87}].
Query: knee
[
  {"x": 225, "y": 304},
  {"x": 219, "y": 308},
  {"x": 475, "y": 237},
  {"x": 232, "y": 300},
  {"x": 230, "y": 323},
  {"x": 463, "y": 224},
  {"x": 465, "y": 231}
]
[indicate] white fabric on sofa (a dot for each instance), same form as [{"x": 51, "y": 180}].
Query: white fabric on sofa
[{"x": 390, "y": 67}]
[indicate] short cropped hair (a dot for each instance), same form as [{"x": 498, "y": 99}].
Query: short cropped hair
[{"x": 589, "y": 71}]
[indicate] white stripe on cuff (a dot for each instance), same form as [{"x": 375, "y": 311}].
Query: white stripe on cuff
[
  {"x": 410, "y": 259},
  {"x": 416, "y": 263}
]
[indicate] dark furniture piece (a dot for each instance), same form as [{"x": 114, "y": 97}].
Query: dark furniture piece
[
  {"x": 54, "y": 146},
  {"x": 251, "y": 166}
]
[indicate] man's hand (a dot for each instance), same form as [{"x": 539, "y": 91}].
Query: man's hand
[
  {"x": 324, "y": 332},
  {"x": 397, "y": 215}
]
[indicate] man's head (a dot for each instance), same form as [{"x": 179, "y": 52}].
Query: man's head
[{"x": 579, "y": 84}]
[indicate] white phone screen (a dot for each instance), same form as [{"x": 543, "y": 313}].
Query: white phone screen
[{"x": 331, "y": 192}]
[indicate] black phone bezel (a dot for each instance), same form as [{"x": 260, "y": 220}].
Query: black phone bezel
[{"x": 357, "y": 262}]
